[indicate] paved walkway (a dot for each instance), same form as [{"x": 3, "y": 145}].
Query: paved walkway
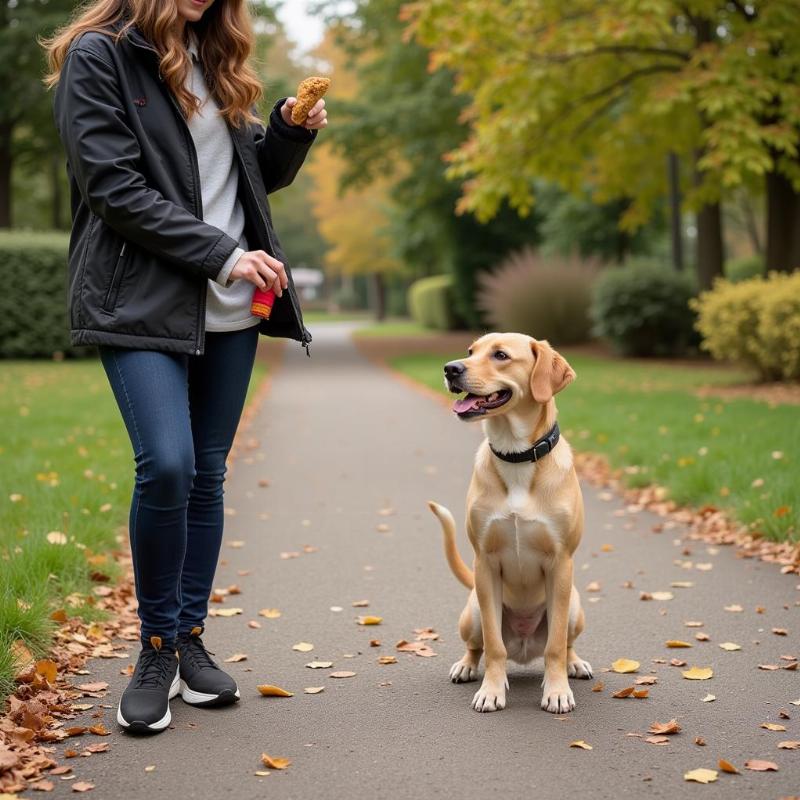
[{"x": 341, "y": 440}]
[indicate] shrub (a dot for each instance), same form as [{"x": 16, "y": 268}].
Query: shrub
[
  {"x": 547, "y": 298},
  {"x": 432, "y": 304},
  {"x": 643, "y": 309},
  {"x": 34, "y": 321},
  {"x": 756, "y": 322},
  {"x": 740, "y": 269}
]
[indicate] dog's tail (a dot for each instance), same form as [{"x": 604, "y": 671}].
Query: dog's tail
[{"x": 460, "y": 569}]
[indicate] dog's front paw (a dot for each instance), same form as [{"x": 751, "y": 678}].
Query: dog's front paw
[
  {"x": 579, "y": 669},
  {"x": 490, "y": 697},
  {"x": 462, "y": 672},
  {"x": 558, "y": 700}
]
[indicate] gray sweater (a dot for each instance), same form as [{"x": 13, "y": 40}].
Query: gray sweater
[{"x": 228, "y": 302}]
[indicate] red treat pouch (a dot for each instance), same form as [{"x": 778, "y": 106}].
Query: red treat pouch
[{"x": 262, "y": 303}]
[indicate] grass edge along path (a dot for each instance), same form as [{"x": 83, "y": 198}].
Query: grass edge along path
[
  {"x": 605, "y": 458},
  {"x": 63, "y": 511}
]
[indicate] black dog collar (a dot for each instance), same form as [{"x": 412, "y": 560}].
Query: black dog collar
[{"x": 539, "y": 450}]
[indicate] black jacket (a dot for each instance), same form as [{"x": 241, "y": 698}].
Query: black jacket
[{"x": 140, "y": 255}]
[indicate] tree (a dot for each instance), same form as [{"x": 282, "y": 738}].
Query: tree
[
  {"x": 400, "y": 124},
  {"x": 353, "y": 220},
  {"x": 600, "y": 93}
]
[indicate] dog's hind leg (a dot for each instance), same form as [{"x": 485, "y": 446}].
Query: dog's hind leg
[
  {"x": 576, "y": 666},
  {"x": 469, "y": 626}
]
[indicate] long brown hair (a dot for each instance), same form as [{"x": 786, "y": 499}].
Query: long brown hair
[{"x": 225, "y": 40}]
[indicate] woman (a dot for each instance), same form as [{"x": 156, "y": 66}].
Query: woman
[{"x": 169, "y": 171}]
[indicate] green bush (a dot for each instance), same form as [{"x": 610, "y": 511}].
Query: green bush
[
  {"x": 741, "y": 269},
  {"x": 756, "y": 322},
  {"x": 544, "y": 297},
  {"x": 34, "y": 319},
  {"x": 432, "y": 303},
  {"x": 643, "y": 309}
]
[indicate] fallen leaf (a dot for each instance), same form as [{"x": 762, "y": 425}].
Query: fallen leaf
[
  {"x": 663, "y": 596},
  {"x": 791, "y": 744},
  {"x": 275, "y": 762},
  {"x": 627, "y": 692},
  {"x": 699, "y": 741},
  {"x": 769, "y": 667},
  {"x": 99, "y": 686},
  {"x": 676, "y": 662},
  {"x": 82, "y": 786},
  {"x": 236, "y": 658},
  {"x": 663, "y": 728},
  {"x": 641, "y": 694},
  {"x": 693, "y": 624},
  {"x": 736, "y": 609},
  {"x": 319, "y": 664},
  {"x": 757, "y": 765},
  {"x": 681, "y": 584},
  {"x": 726, "y": 766},
  {"x": 268, "y": 690},
  {"x": 676, "y": 643},
  {"x": 56, "y": 537},
  {"x": 369, "y": 620},
  {"x": 99, "y": 730},
  {"x": 594, "y": 586},
  {"x": 709, "y": 698},
  {"x": 224, "y": 612},
  {"x": 269, "y": 613},
  {"x": 698, "y": 673},
  {"x": 646, "y": 680},
  {"x": 701, "y": 775},
  {"x": 730, "y": 646},
  {"x": 624, "y": 665},
  {"x": 702, "y": 637},
  {"x": 387, "y": 660},
  {"x": 314, "y": 689},
  {"x": 41, "y": 786},
  {"x": 303, "y": 647},
  {"x": 772, "y": 726},
  {"x": 598, "y": 687},
  {"x": 780, "y": 631},
  {"x": 657, "y": 739},
  {"x": 342, "y": 674},
  {"x": 47, "y": 669},
  {"x": 360, "y": 603},
  {"x": 150, "y": 768},
  {"x": 580, "y": 743}
]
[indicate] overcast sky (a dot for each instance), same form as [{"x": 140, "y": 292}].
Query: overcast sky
[{"x": 301, "y": 26}]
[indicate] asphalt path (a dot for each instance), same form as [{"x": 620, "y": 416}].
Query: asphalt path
[{"x": 340, "y": 441}]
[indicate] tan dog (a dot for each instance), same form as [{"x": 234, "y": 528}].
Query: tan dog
[{"x": 524, "y": 521}]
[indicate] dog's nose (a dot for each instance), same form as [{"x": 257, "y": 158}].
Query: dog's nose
[{"x": 454, "y": 369}]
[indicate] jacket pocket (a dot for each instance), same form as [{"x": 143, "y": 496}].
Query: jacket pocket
[{"x": 116, "y": 278}]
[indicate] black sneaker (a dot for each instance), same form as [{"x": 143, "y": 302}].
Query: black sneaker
[
  {"x": 203, "y": 683},
  {"x": 144, "y": 706}
]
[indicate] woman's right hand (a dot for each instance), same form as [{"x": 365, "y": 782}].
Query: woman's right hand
[{"x": 261, "y": 269}]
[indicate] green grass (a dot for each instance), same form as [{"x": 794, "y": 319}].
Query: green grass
[
  {"x": 312, "y": 316},
  {"x": 703, "y": 450},
  {"x": 66, "y": 465}
]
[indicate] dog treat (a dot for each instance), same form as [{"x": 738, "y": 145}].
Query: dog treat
[{"x": 308, "y": 92}]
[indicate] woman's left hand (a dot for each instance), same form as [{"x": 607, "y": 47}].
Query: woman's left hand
[{"x": 317, "y": 117}]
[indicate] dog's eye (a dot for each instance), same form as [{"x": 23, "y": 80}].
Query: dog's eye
[
  {"x": 469, "y": 352},
  {"x": 501, "y": 356}
]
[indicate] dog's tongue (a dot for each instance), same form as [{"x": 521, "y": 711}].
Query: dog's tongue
[{"x": 467, "y": 403}]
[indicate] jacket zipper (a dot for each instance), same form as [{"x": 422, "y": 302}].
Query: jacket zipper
[
  {"x": 116, "y": 277},
  {"x": 303, "y": 336}
]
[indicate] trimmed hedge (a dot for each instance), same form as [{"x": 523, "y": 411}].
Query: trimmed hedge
[
  {"x": 431, "y": 302},
  {"x": 544, "y": 297},
  {"x": 33, "y": 302},
  {"x": 643, "y": 309},
  {"x": 756, "y": 322}
]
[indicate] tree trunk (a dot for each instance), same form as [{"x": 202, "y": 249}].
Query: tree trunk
[
  {"x": 379, "y": 286},
  {"x": 676, "y": 227},
  {"x": 5, "y": 175},
  {"x": 710, "y": 253},
  {"x": 783, "y": 224}
]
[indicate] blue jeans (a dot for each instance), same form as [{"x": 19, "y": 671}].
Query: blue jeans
[{"x": 181, "y": 413}]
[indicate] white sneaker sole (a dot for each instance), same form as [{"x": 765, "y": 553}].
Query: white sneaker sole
[
  {"x": 159, "y": 725},
  {"x": 200, "y": 698}
]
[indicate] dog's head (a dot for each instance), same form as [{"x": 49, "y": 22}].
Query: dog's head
[{"x": 503, "y": 371}]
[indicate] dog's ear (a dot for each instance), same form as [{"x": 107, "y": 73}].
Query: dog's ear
[{"x": 551, "y": 372}]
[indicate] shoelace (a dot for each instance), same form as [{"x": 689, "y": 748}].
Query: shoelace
[
  {"x": 195, "y": 651},
  {"x": 156, "y": 669}
]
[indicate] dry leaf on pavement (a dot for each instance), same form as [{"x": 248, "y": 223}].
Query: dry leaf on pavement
[
  {"x": 580, "y": 743},
  {"x": 757, "y": 765},
  {"x": 698, "y": 673},
  {"x": 701, "y": 775},
  {"x": 663, "y": 728},
  {"x": 342, "y": 674},
  {"x": 314, "y": 689},
  {"x": 303, "y": 647},
  {"x": 624, "y": 665},
  {"x": 726, "y": 766},
  {"x": 275, "y": 762}
]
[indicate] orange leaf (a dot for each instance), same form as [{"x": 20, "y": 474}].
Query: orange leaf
[
  {"x": 726, "y": 766},
  {"x": 275, "y": 762}
]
